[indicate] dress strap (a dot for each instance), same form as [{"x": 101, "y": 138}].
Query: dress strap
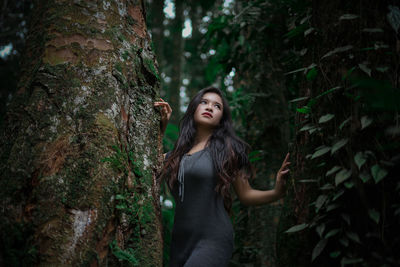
[{"x": 181, "y": 177}]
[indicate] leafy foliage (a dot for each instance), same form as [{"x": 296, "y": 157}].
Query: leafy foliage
[{"x": 344, "y": 111}]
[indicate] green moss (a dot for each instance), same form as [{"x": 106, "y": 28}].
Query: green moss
[
  {"x": 75, "y": 82},
  {"x": 149, "y": 64},
  {"x": 121, "y": 37},
  {"x": 118, "y": 67},
  {"x": 130, "y": 20},
  {"x": 125, "y": 55},
  {"x": 79, "y": 180}
]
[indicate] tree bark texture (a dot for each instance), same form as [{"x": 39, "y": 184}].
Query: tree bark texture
[{"x": 80, "y": 149}]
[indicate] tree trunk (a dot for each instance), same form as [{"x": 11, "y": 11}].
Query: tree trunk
[
  {"x": 174, "y": 96},
  {"x": 79, "y": 148},
  {"x": 157, "y": 30}
]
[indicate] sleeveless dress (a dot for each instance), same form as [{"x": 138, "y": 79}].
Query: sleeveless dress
[{"x": 202, "y": 235}]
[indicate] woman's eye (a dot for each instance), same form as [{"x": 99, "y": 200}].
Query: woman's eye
[
  {"x": 203, "y": 102},
  {"x": 218, "y": 106}
]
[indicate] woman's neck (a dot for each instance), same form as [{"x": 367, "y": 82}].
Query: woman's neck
[{"x": 202, "y": 136}]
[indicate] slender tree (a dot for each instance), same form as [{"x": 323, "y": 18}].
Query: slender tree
[
  {"x": 176, "y": 75},
  {"x": 79, "y": 147}
]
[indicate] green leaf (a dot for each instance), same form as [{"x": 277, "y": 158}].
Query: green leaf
[
  {"x": 255, "y": 155},
  {"x": 294, "y": 71},
  {"x": 325, "y": 118},
  {"x": 328, "y": 91},
  {"x": 121, "y": 206},
  {"x": 308, "y": 31},
  {"x": 320, "y": 229},
  {"x": 382, "y": 69},
  {"x": 298, "y": 99},
  {"x": 378, "y": 173},
  {"x": 297, "y": 228},
  {"x": 348, "y": 16},
  {"x": 349, "y": 184},
  {"x": 304, "y": 110},
  {"x": 319, "y": 248},
  {"x": 350, "y": 71},
  {"x": 344, "y": 241},
  {"x": 365, "y": 69},
  {"x": 337, "y": 50},
  {"x": 365, "y": 177},
  {"x": 308, "y": 181},
  {"x": 307, "y": 127},
  {"x": 332, "y": 233},
  {"x": 339, "y": 144},
  {"x": 393, "y": 17},
  {"x": 312, "y": 74},
  {"x": 334, "y": 254},
  {"x": 353, "y": 236},
  {"x": 327, "y": 187},
  {"x": 320, "y": 201},
  {"x": 314, "y": 129},
  {"x": 342, "y": 176},
  {"x": 360, "y": 159},
  {"x": 344, "y": 123},
  {"x": 296, "y": 31},
  {"x": 119, "y": 197},
  {"x": 374, "y": 215},
  {"x": 346, "y": 217},
  {"x": 332, "y": 207},
  {"x": 333, "y": 170},
  {"x": 338, "y": 194},
  {"x": 346, "y": 261},
  {"x": 321, "y": 151},
  {"x": 365, "y": 122}
]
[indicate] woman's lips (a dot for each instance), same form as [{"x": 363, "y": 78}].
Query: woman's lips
[{"x": 207, "y": 114}]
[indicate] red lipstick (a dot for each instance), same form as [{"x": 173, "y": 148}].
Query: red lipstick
[{"x": 207, "y": 114}]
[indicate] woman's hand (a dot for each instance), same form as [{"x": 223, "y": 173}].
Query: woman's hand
[
  {"x": 166, "y": 112},
  {"x": 280, "y": 188}
]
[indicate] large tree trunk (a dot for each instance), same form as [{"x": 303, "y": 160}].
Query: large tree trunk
[{"x": 79, "y": 149}]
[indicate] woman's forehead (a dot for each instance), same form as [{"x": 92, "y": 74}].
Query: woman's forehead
[{"x": 214, "y": 97}]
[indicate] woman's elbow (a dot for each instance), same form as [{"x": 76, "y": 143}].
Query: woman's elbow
[{"x": 244, "y": 201}]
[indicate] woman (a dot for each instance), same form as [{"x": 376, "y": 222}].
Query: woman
[{"x": 207, "y": 158}]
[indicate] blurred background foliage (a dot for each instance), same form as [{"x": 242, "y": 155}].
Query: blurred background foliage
[{"x": 318, "y": 79}]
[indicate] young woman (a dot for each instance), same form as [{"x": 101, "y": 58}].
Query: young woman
[{"x": 207, "y": 158}]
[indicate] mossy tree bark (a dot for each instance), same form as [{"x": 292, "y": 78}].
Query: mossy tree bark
[{"x": 80, "y": 147}]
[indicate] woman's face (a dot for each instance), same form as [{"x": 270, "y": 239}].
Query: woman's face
[{"x": 209, "y": 111}]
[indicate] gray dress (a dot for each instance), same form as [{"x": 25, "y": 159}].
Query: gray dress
[{"x": 202, "y": 234}]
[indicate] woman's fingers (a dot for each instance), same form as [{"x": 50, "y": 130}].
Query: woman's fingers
[{"x": 165, "y": 111}]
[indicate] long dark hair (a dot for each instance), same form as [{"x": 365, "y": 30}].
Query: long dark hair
[{"x": 229, "y": 152}]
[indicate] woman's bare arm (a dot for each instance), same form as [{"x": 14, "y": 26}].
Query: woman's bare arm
[
  {"x": 166, "y": 112},
  {"x": 249, "y": 196}
]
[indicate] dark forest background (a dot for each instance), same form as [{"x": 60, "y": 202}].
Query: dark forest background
[{"x": 319, "y": 79}]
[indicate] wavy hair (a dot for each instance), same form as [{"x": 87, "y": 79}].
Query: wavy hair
[{"x": 229, "y": 153}]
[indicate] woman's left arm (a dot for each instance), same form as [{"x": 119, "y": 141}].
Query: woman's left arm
[{"x": 249, "y": 196}]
